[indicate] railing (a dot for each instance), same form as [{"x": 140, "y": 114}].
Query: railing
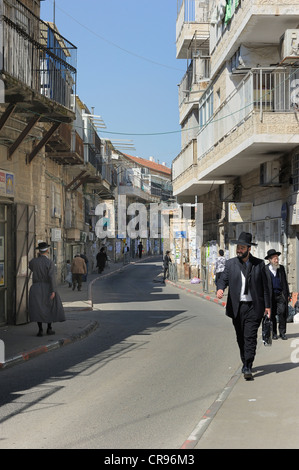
[
  {"x": 186, "y": 159},
  {"x": 37, "y": 55},
  {"x": 198, "y": 70},
  {"x": 188, "y": 12},
  {"x": 262, "y": 90}
]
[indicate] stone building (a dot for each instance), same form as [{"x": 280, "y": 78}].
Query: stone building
[
  {"x": 238, "y": 112},
  {"x": 50, "y": 169}
]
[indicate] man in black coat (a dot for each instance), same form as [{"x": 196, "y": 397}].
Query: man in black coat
[
  {"x": 248, "y": 298},
  {"x": 280, "y": 293}
]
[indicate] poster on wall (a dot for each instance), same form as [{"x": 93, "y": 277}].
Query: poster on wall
[
  {"x": 6, "y": 183},
  {"x": 1, "y": 274}
]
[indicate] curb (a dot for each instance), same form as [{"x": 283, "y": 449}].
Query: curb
[
  {"x": 25, "y": 356},
  {"x": 199, "y": 294},
  {"x": 202, "y": 426}
]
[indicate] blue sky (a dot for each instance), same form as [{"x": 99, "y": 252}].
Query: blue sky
[{"x": 127, "y": 68}]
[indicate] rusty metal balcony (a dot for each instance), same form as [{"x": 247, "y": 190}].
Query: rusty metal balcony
[{"x": 38, "y": 65}]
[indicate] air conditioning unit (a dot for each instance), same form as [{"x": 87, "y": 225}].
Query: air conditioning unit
[
  {"x": 289, "y": 44},
  {"x": 269, "y": 173}
]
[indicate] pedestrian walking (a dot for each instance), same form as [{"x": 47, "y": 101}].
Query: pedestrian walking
[
  {"x": 45, "y": 305},
  {"x": 78, "y": 268},
  {"x": 140, "y": 247},
  {"x": 220, "y": 265},
  {"x": 166, "y": 262},
  {"x": 248, "y": 298},
  {"x": 280, "y": 293},
  {"x": 101, "y": 260},
  {"x": 68, "y": 278}
]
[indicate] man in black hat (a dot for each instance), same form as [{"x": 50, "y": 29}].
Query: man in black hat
[
  {"x": 248, "y": 298},
  {"x": 280, "y": 294},
  {"x": 45, "y": 305}
]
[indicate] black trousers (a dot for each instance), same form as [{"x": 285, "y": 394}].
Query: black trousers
[
  {"x": 166, "y": 273},
  {"x": 246, "y": 325},
  {"x": 279, "y": 309}
]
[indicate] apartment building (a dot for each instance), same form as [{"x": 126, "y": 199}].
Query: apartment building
[
  {"x": 141, "y": 184},
  {"x": 238, "y": 105},
  {"x": 50, "y": 153}
]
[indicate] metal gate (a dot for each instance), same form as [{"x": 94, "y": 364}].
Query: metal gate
[{"x": 25, "y": 239}]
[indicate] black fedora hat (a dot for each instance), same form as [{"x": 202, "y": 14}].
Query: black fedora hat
[
  {"x": 244, "y": 239},
  {"x": 272, "y": 252},
  {"x": 42, "y": 246}
]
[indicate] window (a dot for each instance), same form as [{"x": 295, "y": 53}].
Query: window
[
  {"x": 56, "y": 201},
  {"x": 206, "y": 108},
  {"x": 295, "y": 172}
]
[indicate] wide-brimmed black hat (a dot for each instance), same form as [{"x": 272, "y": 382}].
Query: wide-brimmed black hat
[
  {"x": 244, "y": 239},
  {"x": 42, "y": 246},
  {"x": 272, "y": 252}
]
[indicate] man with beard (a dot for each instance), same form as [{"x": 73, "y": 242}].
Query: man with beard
[
  {"x": 279, "y": 291},
  {"x": 248, "y": 298}
]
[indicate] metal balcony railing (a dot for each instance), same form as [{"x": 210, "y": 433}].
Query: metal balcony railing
[
  {"x": 36, "y": 54},
  {"x": 262, "y": 90}
]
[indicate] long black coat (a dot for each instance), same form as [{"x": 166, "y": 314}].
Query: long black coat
[
  {"x": 41, "y": 307},
  {"x": 258, "y": 285},
  {"x": 284, "y": 284}
]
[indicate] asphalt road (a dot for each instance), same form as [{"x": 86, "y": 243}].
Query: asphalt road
[{"x": 142, "y": 380}]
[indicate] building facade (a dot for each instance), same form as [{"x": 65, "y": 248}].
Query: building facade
[
  {"x": 239, "y": 120},
  {"x": 50, "y": 154},
  {"x": 140, "y": 185}
]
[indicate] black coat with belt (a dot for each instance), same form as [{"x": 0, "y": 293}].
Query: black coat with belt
[
  {"x": 283, "y": 281},
  {"x": 257, "y": 283}
]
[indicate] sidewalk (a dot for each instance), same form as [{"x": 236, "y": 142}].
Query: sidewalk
[
  {"x": 258, "y": 414},
  {"x": 21, "y": 342}
]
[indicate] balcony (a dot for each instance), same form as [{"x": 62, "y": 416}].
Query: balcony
[
  {"x": 193, "y": 85},
  {"x": 192, "y": 27},
  {"x": 137, "y": 193},
  {"x": 256, "y": 23},
  {"x": 65, "y": 146},
  {"x": 185, "y": 174},
  {"x": 37, "y": 65},
  {"x": 257, "y": 123}
]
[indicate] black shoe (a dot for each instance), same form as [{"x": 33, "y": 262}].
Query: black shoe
[
  {"x": 283, "y": 336},
  {"x": 40, "y": 333},
  {"x": 247, "y": 374},
  {"x": 274, "y": 336},
  {"x": 50, "y": 331},
  {"x": 74, "y": 287}
]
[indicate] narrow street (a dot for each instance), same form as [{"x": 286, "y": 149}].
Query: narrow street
[{"x": 142, "y": 380}]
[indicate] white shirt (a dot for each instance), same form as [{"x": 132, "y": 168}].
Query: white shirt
[
  {"x": 273, "y": 270},
  {"x": 243, "y": 297}
]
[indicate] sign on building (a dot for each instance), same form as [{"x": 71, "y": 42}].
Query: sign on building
[
  {"x": 7, "y": 184},
  {"x": 240, "y": 212}
]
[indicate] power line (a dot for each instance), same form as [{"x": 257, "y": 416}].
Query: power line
[{"x": 117, "y": 46}]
